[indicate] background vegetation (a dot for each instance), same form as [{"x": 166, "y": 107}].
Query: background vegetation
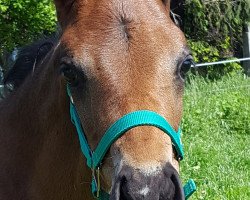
[
  {"x": 22, "y": 21},
  {"x": 216, "y": 136},
  {"x": 214, "y": 31}
]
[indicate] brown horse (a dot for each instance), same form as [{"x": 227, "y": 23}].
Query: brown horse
[{"x": 118, "y": 56}]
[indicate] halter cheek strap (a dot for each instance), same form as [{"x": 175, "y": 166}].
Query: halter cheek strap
[{"x": 120, "y": 127}]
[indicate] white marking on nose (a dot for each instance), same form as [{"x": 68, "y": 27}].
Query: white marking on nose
[
  {"x": 150, "y": 170},
  {"x": 144, "y": 191}
]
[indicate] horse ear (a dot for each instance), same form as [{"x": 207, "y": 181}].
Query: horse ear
[{"x": 63, "y": 9}]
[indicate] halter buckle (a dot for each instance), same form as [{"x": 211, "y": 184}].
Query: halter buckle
[{"x": 96, "y": 185}]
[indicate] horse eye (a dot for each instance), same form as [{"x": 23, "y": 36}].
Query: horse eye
[
  {"x": 185, "y": 66},
  {"x": 69, "y": 74}
]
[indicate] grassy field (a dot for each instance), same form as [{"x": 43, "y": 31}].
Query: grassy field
[{"x": 216, "y": 137}]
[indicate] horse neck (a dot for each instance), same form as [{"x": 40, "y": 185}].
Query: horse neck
[{"x": 47, "y": 139}]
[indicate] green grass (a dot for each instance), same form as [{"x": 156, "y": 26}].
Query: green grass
[{"x": 216, "y": 137}]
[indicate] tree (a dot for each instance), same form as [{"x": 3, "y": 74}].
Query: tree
[{"x": 22, "y": 21}]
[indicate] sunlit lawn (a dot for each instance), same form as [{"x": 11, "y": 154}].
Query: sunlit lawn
[{"x": 216, "y": 137}]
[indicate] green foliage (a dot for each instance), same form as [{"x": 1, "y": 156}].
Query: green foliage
[
  {"x": 22, "y": 21},
  {"x": 215, "y": 21},
  {"x": 216, "y": 136},
  {"x": 204, "y": 53},
  {"x": 214, "y": 30}
]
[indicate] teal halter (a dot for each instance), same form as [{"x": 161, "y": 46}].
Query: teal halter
[{"x": 116, "y": 130}]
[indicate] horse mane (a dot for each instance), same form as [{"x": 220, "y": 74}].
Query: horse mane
[{"x": 28, "y": 59}]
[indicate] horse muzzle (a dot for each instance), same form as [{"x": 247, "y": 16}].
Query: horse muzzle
[{"x": 131, "y": 184}]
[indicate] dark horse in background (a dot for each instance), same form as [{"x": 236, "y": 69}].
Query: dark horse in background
[
  {"x": 117, "y": 56},
  {"x": 27, "y": 59},
  {"x": 24, "y": 61}
]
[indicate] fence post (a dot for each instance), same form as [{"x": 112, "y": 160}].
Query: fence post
[{"x": 246, "y": 48}]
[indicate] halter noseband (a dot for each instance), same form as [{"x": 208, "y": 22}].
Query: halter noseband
[{"x": 116, "y": 130}]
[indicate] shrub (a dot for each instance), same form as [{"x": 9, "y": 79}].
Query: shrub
[{"x": 214, "y": 30}]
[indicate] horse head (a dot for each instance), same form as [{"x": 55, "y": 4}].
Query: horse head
[{"x": 118, "y": 57}]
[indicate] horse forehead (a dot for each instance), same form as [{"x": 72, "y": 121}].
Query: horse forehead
[
  {"x": 112, "y": 29},
  {"x": 87, "y": 7},
  {"x": 95, "y": 21}
]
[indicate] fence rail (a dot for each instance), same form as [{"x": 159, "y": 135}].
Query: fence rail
[{"x": 220, "y": 62}]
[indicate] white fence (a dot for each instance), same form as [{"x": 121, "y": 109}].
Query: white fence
[{"x": 221, "y": 62}]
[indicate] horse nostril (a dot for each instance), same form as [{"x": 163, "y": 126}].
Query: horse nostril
[
  {"x": 178, "y": 191},
  {"x": 178, "y": 187},
  {"x": 124, "y": 192},
  {"x": 120, "y": 190}
]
